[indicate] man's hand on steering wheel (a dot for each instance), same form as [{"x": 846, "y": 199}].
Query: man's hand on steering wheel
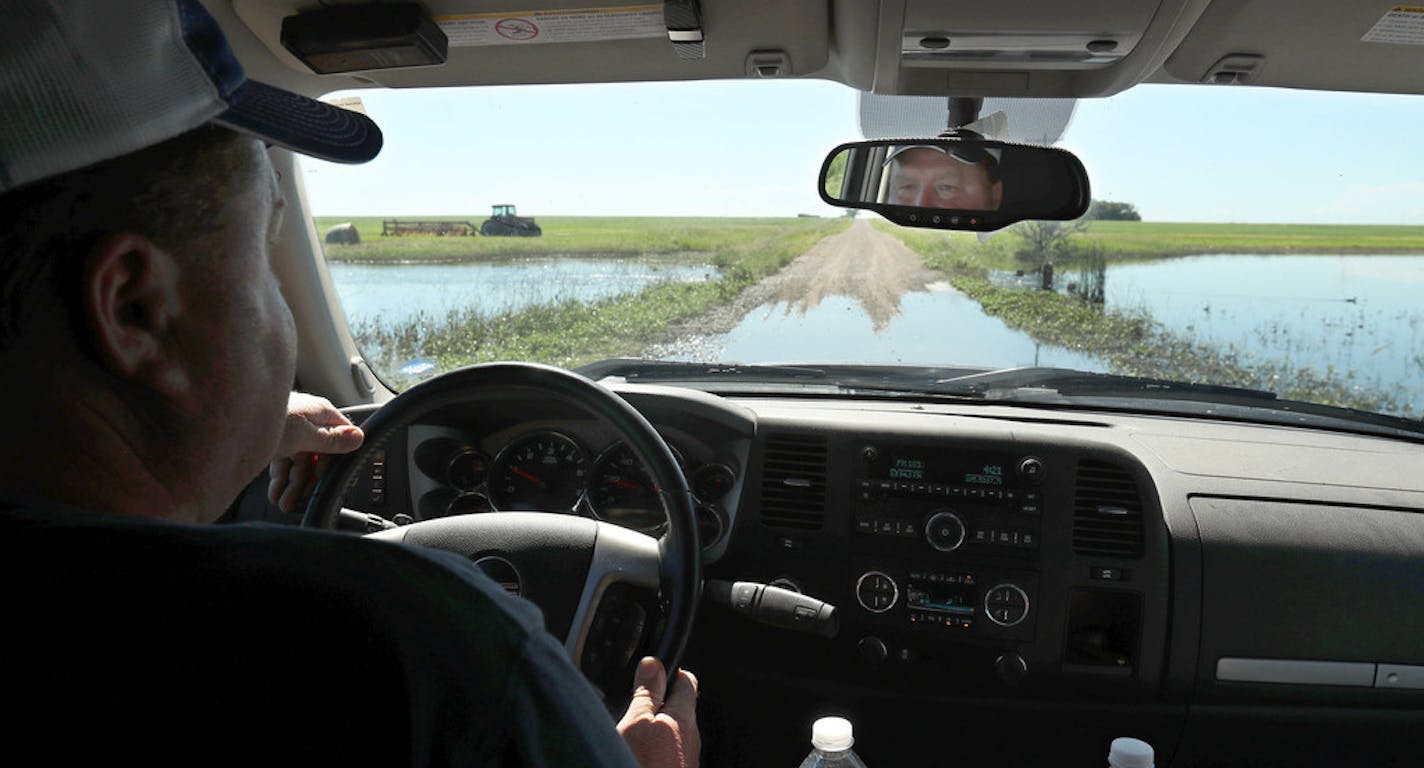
[
  {"x": 660, "y": 726},
  {"x": 314, "y": 430}
]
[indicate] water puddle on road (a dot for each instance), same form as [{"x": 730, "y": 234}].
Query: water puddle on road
[{"x": 937, "y": 326}]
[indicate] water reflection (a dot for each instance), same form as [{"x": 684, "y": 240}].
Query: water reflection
[{"x": 939, "y": 326}]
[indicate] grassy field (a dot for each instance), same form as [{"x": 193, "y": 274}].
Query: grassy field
[
  {"x": 618, "y": 236},
  {"x": 1133, "y": 240}
]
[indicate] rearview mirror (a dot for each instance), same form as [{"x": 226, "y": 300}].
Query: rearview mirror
[{"x": 957, "y": 183}]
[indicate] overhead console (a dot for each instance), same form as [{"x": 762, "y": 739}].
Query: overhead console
[{"x": 1038, "y": 48}]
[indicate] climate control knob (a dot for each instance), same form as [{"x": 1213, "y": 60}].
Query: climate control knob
[
  {"x": 876, "y": 592},
  {"x": 945, "y": 531},
  {"x": 1006, "y": 604}
]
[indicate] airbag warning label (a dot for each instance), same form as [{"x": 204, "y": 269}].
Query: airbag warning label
[
  {"x": 573, "y": 26},
  {"x": 1404, "y": 25}
]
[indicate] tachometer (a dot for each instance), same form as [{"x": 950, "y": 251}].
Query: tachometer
[{"x": 543, "y": 472}]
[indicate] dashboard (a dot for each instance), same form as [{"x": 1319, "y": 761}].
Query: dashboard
[{"x": 1216, "y": 588}]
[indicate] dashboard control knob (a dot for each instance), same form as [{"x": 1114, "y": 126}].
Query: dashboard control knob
[
  {"x": 945, "y": 531},
  {"x": 872, "y": 650},
  {"x": 1006, "y": 604},
  {"x": 1031, "y": 469},
  {"x": 876, "y": 592},
  {"x": 1011, "y": 668}
]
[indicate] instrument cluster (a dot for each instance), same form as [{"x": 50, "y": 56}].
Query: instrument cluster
[{"x": 549, "y": 470}]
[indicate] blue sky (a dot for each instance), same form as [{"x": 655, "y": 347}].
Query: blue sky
[{"x": 1179, "y": 153}]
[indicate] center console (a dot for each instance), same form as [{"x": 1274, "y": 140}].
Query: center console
[{"x": 946, "y": 543}]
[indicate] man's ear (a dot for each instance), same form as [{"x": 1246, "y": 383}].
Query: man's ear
[
  {"x": 131, "y": 296},
  {"x": 997, "y": 193}
]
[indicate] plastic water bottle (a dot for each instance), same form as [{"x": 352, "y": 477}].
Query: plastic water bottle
[
  {"x": 1130, "y": 753},
  {"x": 831, "y": 739}
]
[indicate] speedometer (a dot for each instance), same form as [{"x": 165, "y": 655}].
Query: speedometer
[{"x": 542, "y": 472}]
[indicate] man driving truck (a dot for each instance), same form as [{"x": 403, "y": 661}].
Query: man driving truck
[{"x": 149, "y": 355}]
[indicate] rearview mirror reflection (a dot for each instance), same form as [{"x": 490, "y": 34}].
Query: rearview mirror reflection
[{"x": 956, "y": 183}]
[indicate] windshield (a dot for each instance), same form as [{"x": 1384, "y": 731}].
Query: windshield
[{"x": 1244, "y": 238}]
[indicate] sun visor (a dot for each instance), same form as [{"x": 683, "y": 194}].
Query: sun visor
[{"x": 1315, "y": 44}]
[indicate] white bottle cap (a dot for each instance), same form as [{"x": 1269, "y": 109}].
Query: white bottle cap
[
  {"x": 832, "y": 734},
  {"x": 1129, "y": 753}
]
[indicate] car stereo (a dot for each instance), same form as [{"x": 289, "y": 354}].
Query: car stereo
[{"x": 947, "y": 541}]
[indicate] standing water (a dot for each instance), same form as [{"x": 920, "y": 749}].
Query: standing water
[
  {"x": 395, "y": 294},
  {"x": 1357, "y": 317}
]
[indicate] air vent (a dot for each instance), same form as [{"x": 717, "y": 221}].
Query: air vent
[
  {"x": 793, "y": 482},
  {"x": 1107, "y": 512}
]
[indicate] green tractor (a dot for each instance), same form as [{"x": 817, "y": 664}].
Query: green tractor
[{"x": 504, "y": 223}]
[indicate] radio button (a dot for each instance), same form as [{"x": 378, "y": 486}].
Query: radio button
[
  {"x": 945, "y": 531},
  {"x": 1031, "y": 469}
]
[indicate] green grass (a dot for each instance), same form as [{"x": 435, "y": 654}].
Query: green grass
[
  {"x": 620, "y": 236},
  {"x": 571, "y": 333},
  {"x": 1134, "y": 239}
]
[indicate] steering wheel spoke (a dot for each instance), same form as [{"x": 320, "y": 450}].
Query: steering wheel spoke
[{"x": 620, "y": 556}]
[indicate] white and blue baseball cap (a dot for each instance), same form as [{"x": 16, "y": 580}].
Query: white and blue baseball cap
[{"x": 82, "y": 82}]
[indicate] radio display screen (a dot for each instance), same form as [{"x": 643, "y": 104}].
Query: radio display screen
[
  {"x": 944, "y": 598},
  {"x": 921, "y": 466}
]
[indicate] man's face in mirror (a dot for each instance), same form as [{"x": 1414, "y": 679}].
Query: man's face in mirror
[{"x": 928, "y": 178}]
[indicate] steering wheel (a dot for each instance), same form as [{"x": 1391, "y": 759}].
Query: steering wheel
[{"x": 564, "y": 563}]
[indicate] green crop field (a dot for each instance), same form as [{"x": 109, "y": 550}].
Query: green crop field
[
  {"x": 1133, "y": 240},
  {"x": 584, "y": 235},
  {"x": 1149, "y": 239}
]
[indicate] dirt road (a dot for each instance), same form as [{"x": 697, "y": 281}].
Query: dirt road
[{"x": 873, "y": 268}]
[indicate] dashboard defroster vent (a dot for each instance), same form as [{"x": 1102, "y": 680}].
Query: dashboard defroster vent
[
  {"x": 1107, "y": 512},
  {"x": 793, "y": 481}
]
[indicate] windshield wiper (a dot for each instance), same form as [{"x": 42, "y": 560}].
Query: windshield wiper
[
  {"x": 1008, "y": 383},
  {"x": 847, "y": 377},
  {"x": 1036, "y": 385},
  {"x": 634, "y": 370},
  {"x": 1067, "y": 386}
]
